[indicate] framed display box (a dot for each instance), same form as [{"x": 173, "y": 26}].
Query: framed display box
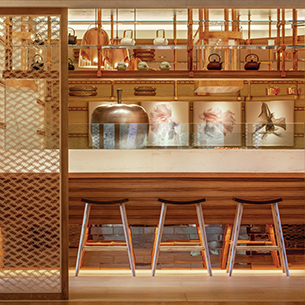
[
  {"x": 270, "y": 123},
  {"x": 168, "y": 123},
  {"x": 217, "y": 123}
]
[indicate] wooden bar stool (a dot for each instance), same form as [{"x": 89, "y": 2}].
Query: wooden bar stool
[
  {"x": 278, "y": 231},
  {"x": 189, "y": 246},
  {"x": 85, "y": 245}
]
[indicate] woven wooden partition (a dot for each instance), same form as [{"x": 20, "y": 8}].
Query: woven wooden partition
[{"x": 33, "y": 154}]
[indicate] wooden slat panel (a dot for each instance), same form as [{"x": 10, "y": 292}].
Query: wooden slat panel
[{"x": 143, "y": 190}]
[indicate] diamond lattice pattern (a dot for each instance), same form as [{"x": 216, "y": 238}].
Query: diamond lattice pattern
[{"x": 29, "y": 154}]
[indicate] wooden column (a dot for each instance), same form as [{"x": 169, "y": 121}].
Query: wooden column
[
  {"x": 135, "y": 24},
  {"x": 99, "y": 47},
  {"x": 226, "y": 41},
  {"x": 206, "y": 29},
  {"x": 270, "y": 36},
  {"x": 175, "y": 41},
  {"x": 249, "y": 31},
  {"x": 111, "y": 28},
  {"x": 8, "y": 41},
  {"x": 49, "y": 50},
  {"x": 190, "y": 41},
  {"x": 200, "y": 40},
  {"x": 283, "y": 41},
  {"x": 176, "y": 90},
  {"x": 295, "y": 39},
  {"x": 226, "y": 17},
  {"x": 278, "y": 39},
  {"x": 23, "y": 65},
  {"x": 235, "y": 18},
  {"x": 235, "y": 28},
  {"x": 64, "y": 156},
  {"x": 30, "y": 28}
]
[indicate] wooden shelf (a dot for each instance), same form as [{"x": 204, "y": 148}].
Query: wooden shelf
[{"x": 182, "y": 74}]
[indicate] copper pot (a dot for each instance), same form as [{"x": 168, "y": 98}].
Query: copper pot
[
  {"x": 133, "y": 64},
  {"x": 118, "y": 55},
  {"x": 119, "y": 126},
  {"x": 93, "y": 37}
]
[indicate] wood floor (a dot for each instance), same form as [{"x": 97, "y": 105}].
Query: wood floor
[{"x": 179, "y": 287}]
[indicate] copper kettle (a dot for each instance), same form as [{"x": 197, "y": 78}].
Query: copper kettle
[
  {"x": 89, "y": 55},
  {"x": 118, "y": 54}
]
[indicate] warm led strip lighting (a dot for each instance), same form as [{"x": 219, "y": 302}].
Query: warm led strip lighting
[{"x": 195, "y": 272}]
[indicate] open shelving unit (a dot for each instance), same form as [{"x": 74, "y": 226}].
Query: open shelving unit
[{"x": 192, "y": 36}]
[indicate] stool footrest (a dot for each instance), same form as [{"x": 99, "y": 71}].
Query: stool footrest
[
  {"x": 105, "y": 248},
  {"x": 254, "y": 242},
  {"x": 180, "y": 242},
  {"x": 258, "y": 248},
  {"x": 105, "y": 243},
  {"x": 181, "y": 248}
]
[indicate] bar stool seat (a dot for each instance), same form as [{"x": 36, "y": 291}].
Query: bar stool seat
[
  {"x": 85, "y": 245},
  {"x": 280, "y": 246},
  {"x": 179, "y": 245}
]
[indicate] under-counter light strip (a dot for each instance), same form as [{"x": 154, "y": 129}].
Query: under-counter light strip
[{"x": 219, "y": 272}]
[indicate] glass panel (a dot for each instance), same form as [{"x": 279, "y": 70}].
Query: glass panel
[{"x": 216, "y": 129}]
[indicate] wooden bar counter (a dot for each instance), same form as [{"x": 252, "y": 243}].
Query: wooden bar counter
[{"x": 143, "y": 190}]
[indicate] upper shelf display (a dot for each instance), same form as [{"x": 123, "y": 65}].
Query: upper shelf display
[{"x": 182, "y": 40}]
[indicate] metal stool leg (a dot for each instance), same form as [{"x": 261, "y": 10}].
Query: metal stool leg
[
  {"x": 277, "y": 238},
  {"x": 203, "y": 238},
  {"x": 280, "y": 237},
  {"x": 159, "y": 236},
  {"x": 82, "y": 240},
  {"x": 127, "y": 234},
  {"x": 236, "y": 228}
]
